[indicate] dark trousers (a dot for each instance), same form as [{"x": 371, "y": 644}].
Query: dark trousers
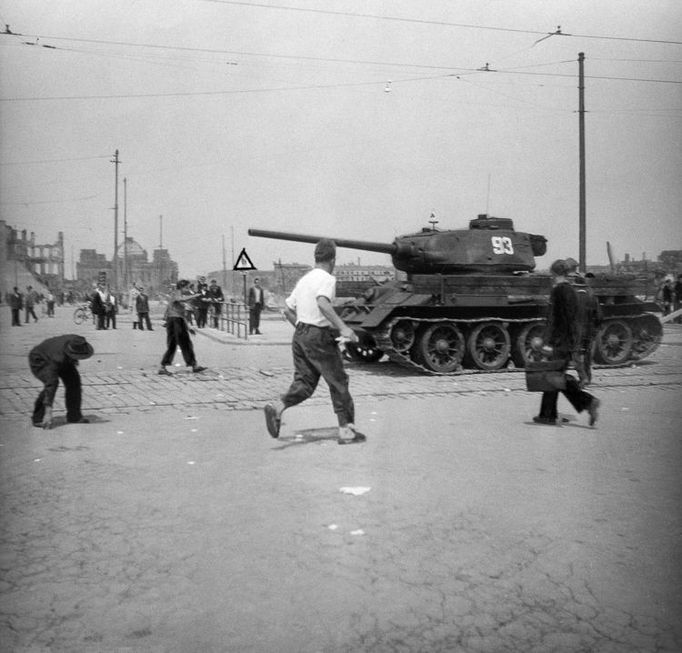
[
  {"x": 101, "y": 317},
  {"x": 580, "y": 400},
  {"x": 16, "y": 317},
  {"x": 72, "y": 387},
  {"x": 583, "y": 362},
  {"x": 32, "y": 313},
  {"x": 316, "y": 355},
  {"x": 216, "y": 316},
  {"x": 254, "y": 318},
  {"x": 111, "y": 319},
  {"x": 144, "y": 317},
  {"x": 177, "y": 335},
  {"x": 202, "y": 316}
]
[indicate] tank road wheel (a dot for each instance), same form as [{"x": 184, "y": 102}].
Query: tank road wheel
[
  {"x": 647, "y": 333},
  {"x": 613, "y": 343},
  {"x": 439, "y": 347},
  {"x": 402, "y": 336},
  {"x": 489, "y": 346},
  {"x": 528, "y": 344},
  {"x": 363, "y": 352}
]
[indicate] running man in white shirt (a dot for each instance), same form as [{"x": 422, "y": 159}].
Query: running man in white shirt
[{"x": 315, "y": 349}]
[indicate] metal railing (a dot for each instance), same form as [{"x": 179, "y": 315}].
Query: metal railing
[{"x": 234, "y": 319}]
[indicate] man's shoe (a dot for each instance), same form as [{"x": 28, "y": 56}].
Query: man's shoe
[
  {"x": 163, "y": 371},
  {"x": 82, "y": 420},
  {"x": 593, "y": 410},
  {"x": 272, "y": 420},
  {"x": 348, "y": 435},
  {"x": 544, "y": 420},
  {"x": 198, "y": 368}
]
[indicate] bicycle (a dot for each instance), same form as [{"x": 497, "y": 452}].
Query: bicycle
[{"x": 81, "y": 314}]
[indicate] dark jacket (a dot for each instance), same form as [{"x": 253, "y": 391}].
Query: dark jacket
[
  {"x": 253, "y": 294},
  {"x": 16, "y": 301},
  {"x": 216, "y": 293},
  {"x": 589, "y": 314},
  {"x": 563, "y": 325},
  {"x": 48, "y": 359},
  {"x": 98, "y": 306},
  {"x": 142, "y": 303}
]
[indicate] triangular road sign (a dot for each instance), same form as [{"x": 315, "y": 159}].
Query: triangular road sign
[{"x": 244, "y": 262}]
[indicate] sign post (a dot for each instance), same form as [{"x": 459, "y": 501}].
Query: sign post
[{"x": 244, "y": 264}]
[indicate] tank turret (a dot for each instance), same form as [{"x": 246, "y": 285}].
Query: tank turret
[
  {"x": 472, "y": 300},
  {"x": 490, "y": 245}
]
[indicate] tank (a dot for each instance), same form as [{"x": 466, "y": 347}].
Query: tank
[{"x": 470, "y": 300}]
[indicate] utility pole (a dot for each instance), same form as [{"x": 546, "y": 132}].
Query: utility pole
[
  {"x": 233, "y": 261},
  {"x": 115, "y": 259},
  {"x": 125, "y": 233},
  {"x": 581, "y": 129},
  {"x": 224, "y": 267}
]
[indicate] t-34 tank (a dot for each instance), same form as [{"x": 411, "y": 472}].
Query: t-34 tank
[{"x": 472, "y": 300}]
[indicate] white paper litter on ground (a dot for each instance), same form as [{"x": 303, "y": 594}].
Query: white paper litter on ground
[
  {"x": 356, "y": 491},
  {"x": 359, "y": 531}
]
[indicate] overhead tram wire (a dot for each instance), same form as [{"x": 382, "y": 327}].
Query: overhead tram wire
[
  {"x": 80, "y": 158},
  {"x": 421, "y": 21},
  {"x": 282, "y": 89}
]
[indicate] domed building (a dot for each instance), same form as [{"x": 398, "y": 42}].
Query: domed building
[{"x": 132, "y": 267}]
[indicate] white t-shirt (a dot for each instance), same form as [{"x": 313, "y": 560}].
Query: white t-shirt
[{"x": 303, "y": 299}]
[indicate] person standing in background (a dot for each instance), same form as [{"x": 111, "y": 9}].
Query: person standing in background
[
  {"x": 142, "y": 309},
  {"x": 215, "y": 292},
  {"x": 256, "y": 301},
  {"x": 50, "y": 304},
  {"x": 31, "y": 298},
  {"x": 202, "y": 303},
  {"x": 110, "y": 309},
  {"x": 16, "y": 303},
  {"x": 98, "y": 302}
]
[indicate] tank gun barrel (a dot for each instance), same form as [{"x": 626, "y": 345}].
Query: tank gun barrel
[{"x": 387, "y": 248}]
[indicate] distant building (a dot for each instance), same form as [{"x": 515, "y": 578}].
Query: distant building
[
  {"x": 132, "y": 267},
  {"x": 671, "y": 260},
  {"x": 24, "y": 262}
]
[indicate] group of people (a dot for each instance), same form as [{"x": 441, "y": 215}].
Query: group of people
[
  {"x": 208, "y": 299},
  {"x": 104, "y": 307},
  {"x": 19, "y": 301}
]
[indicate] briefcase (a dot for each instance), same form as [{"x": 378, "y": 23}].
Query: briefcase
[{"x": 545, "y": 376}]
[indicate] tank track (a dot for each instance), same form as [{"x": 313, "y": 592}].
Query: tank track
[
  {"x": 383, "y": 341},
  {"x": 640, "y": 348}
]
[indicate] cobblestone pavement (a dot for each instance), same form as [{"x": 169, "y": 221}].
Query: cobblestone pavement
[
  {"x": 253, "y": 378},
  {"x": 250, "y": 387},
  {"x": 174, "y": 524}
]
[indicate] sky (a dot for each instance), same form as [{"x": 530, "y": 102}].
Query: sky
[{"x": 343, "y": 118}]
